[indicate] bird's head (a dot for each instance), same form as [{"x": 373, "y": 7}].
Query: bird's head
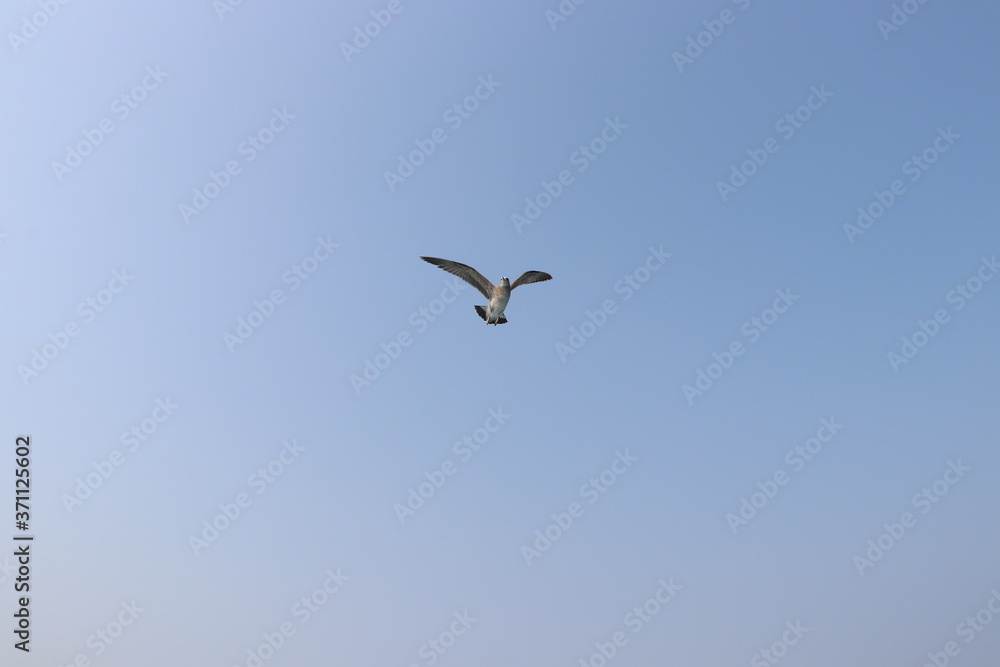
[{"x": 505, "y": 282}]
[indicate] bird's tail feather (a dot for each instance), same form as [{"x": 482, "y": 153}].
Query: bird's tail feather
[{"x": 482, "y": 313}]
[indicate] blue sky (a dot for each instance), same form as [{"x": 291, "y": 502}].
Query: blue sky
[{"x": 739, "y": 426}]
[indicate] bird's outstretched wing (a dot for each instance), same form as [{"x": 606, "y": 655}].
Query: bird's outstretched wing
[
  {"x": 530, "y": 277},
  {"x": 466, "y": 273}
]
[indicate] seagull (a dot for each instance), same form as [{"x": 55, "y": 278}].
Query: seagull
[{"x": 498, "y": 295}]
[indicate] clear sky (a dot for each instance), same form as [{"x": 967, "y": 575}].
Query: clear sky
[{"x": 752, "y": 419}]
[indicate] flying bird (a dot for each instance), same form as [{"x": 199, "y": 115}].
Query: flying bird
[{"x": 498, "y": 295}]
